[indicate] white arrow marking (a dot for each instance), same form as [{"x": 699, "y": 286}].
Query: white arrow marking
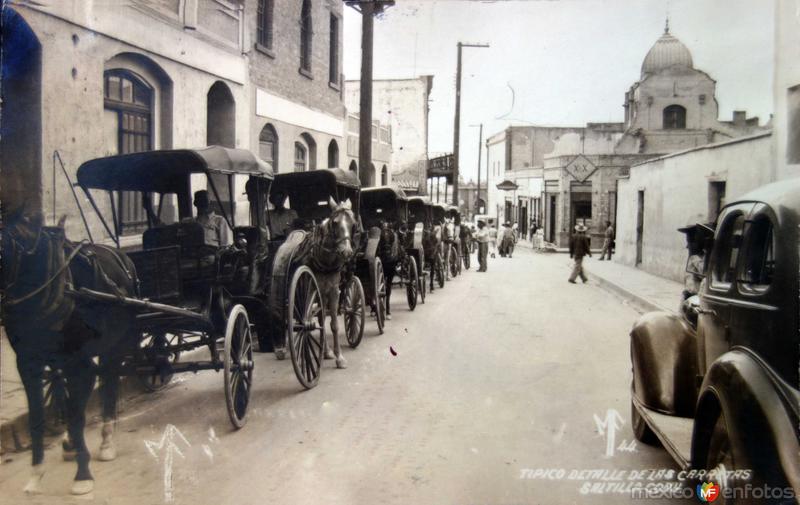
[{"x": 167, "y": 443}]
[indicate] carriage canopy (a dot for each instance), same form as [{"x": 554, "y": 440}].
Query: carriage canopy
[
  {"x": 308, "y": 192},
  {"x": 439, "y": 212},
  {"x": 419, "y": 211},
  {"x": 385, "y": 203}
]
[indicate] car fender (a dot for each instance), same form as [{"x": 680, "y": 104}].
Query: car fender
[
  {"x": 761, "y": 413},
  {"x": 664, "y": 361}
]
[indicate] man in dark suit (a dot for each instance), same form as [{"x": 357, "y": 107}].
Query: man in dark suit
[{"x": 579, "y": 247}]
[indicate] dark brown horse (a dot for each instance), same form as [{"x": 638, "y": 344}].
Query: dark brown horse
[
  {"x": 327, "y": 250},
  {"x": 48, "y": 327},
  {"x": 390, "y": 253}
]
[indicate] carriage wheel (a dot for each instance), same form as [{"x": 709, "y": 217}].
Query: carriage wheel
[
  {"x": 238, "y": 365},
  {"x": 439, "y": 270},
  {"x": 466, "y": 257},
  {"x": 354, "y": 310},
  {"x": 305, "y": 327},
  {"x": 411, "y": 279},
  {"x": 157, "y": 345},
  {"x": 422, "y": 286},
  {"x": 380, "y": 295},
  {"x": 453, "y": 257}
]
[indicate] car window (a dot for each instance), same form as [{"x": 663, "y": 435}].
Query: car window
[
  {"x": 726, "y": 250},
  {"x": 758, "y": 263}
]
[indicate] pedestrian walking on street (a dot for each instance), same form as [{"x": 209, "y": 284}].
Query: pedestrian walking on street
[
  {"x": 608, "y": 242},
  {"x": 482, "y": 238},
  {"x": 578, "y": 248}
]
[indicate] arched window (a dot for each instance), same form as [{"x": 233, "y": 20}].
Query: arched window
[
  {"x": 268, "y": 146},
  {"x": 221, "y": 116},
  {"x": 353, "y": 166},
  {"x": 264, "y": 20},
  {"x": 384, "y": 176},
  {"x": 674, "y": 117},
  {"x": 311, "y": 145},
  {"x": 333, "y": 154},
  {"x": 128, "y": 102},
  {"x": 300, "y": 155},
  {"x": 306, "y": 33}
]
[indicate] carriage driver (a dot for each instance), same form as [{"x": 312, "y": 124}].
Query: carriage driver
[
  {"x": 281, "y": 219},
  {"x": 214, "y": 226}
]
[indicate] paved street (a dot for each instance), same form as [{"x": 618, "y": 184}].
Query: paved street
[{"x": 496, "y": 376}]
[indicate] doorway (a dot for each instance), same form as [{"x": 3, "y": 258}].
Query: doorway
[
  {"x": 639, "y": 227},
  {"x": 551, "y": 219}
]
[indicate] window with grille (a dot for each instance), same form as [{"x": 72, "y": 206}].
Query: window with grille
[
  {"x": 305, "y": 36},
  {"x": 299, "y": 157},
  {"x": 333, "y": 69},
  {"x": 674, "y": 118},
  {"x": 268, "y": 146},
  {"x": 129, "y": 106},
  {"x": 264, "y": 16}
]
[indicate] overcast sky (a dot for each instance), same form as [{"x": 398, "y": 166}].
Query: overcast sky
[{"x": 569, "y": 62}]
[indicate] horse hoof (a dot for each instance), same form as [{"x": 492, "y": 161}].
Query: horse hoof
[
  {"x": 80, "y": 487},
  {"x": 34, "y": 485},
  {"x": 280, "y": 354},
  {"x": 328, "y": 354},
  {"x": 107, "y": 453},
  {"x": 388, "y": 317},
  {"x": 341, "y": 362}
]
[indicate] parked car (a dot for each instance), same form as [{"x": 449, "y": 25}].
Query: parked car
[{"x": 724, "y": 396}]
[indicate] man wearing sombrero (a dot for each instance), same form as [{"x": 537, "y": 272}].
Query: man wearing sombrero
[{"x": 578, "y": 248}]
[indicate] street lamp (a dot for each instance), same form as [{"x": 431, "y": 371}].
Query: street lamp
[{"x": 457, "y": 127}]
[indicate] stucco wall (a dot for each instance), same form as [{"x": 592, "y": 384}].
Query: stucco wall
[
  {"x": 73, "y": 62},
  {"x": 403, "y": 105},
  {"x": 675, "y": 189}
]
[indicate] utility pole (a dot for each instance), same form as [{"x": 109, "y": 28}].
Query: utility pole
[
  {"x": 368, "y": 10},
  {"x": 480, "y": 145},
  {"x": 457, "y": 126}
]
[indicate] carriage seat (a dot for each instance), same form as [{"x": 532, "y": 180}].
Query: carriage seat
[{"x": 198, "y": 259}]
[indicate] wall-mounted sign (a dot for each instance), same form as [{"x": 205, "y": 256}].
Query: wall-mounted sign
[
  {"x": 441, "y": 167},
  {"x": 580, "y": 168}
]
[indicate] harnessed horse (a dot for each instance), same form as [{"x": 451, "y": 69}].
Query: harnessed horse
[
  {"x": 48, "y": 326},
  {"x": 326, "y": 250},
  {"x": 390, "y": 253}
]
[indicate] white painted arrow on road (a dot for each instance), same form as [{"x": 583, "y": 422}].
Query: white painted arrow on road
[{"x": 168, "y": 445}]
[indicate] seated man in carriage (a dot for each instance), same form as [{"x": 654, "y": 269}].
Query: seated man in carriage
[
  {"x": 214, "y": 226},
  {"x": 281, "y": 220}
]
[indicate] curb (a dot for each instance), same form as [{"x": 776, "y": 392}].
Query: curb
[{"x": 639, "y": 303}]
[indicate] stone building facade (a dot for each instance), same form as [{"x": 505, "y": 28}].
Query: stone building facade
[
  {"x": 786, "y": 91},
  {"x": 402, "y": 104},
  {"x": 295, "y": 69},
  {"x": 671, "y": 108},
  {"x": 88, "y": 79},
  {"x": 380, "y": 173}
]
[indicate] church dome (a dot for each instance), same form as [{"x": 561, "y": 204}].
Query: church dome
[{"x": 667, "y": 52}]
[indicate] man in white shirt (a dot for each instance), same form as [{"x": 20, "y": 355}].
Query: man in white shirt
[{"x": 214, "y": 226}]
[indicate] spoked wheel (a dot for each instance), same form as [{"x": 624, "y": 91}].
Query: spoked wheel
[
  {"x": 422, "y": 285},
  {"x": 380, "y": 295},
  {"x": 156, "y": 349},
  {"x": 453, "y": 257},
  {"x": 238, "y": 365},
  {"x": 354, "y": 311},
  {"x": 466, "y": 258},
  {"x": 411, "y": 280},
  {"x": 305, "y": 327},
  {"x": 439, "y": 270}
]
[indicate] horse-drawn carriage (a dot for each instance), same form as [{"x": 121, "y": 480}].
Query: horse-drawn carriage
[
  {"x": 193, "y": 291},
  {"x": 420, "y": 211},
  {"x": 386, "y": 209},
  {"x": 313, "y": 196}
]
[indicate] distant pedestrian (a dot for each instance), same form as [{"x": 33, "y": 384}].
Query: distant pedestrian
[
  {"x": 482, "y": 238},
  {"x": 608, "y": 242},
  {"x": 492, "y": 239},
  {"x": 578, "y": 248}
]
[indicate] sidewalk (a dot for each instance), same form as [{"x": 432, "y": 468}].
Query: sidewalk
[{"x": 647, "y": 292}]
